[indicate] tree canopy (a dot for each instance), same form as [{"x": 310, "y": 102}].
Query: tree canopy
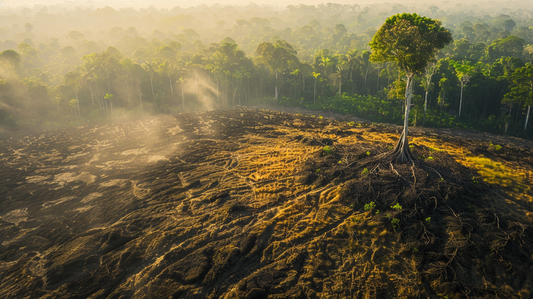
[{"x": 410, "y": 40}]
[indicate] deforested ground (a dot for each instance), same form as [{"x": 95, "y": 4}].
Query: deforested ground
[{"x": 251, "y": 203}]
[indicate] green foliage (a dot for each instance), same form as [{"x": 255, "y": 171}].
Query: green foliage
[
  {"x": 395, "y": 222},
  {"x": 365, "y": 172},
  {"x": 495, "y": 147},
  {"x": 428, "y": 220},
  {"x": 370, "y": 206},
  {"x": 397, "y": 206},
  {"x": 511, "y": 46},
  {"x": 327, "y": 150},
  {"x": 395, "y": 39}
]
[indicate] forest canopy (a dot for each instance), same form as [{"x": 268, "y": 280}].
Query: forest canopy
[{"x": 64, "y": 65}]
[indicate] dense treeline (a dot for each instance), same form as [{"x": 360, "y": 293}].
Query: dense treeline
[{"x": 128, "y": 62}]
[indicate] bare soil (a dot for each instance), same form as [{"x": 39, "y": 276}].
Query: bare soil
[{"x": 255, "y": 203}]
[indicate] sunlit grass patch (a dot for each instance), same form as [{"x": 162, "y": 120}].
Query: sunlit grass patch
[
  {"x": 497, "y": 173},
  {"x": 503, "y": 174}
]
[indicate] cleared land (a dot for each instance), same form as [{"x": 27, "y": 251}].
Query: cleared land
[{"x": 262, "y": 204}]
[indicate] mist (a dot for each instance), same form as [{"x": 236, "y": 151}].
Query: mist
[{"x": 78, "y": 62}]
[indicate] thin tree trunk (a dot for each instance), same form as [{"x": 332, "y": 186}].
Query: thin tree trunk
[
  {"x": 152, "y": 85},
  {"x": 366, "y": 75},
  {"x": 377, "y": 85},
  {"x": 314, "y": 93},
  {"x": 461, "y": 99},
  {"x": 426, "y": 102},
  {"x": 182, "y": 98},
  {"x": 77, "y": 102},
  {"x": 401, "y": 152},
  {"x": 140, "y": 93},
  {"x": 276, "y": 89},
  {"x": 171, "y": 89},
  {"x": 527, "y": 117},
  {"x": 91, "y": 91}
]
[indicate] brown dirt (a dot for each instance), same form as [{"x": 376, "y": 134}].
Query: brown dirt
[{"x": 252, "y": 204}]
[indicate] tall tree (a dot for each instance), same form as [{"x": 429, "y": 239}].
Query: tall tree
[
  {"x": 280, "y": 57},
  {"x": 74, "y": 81},
  {"x": 464, "y": 74},
  {"x": 522, "y": 89},
  {"x": 429, "y": 71},
  {"x": 412, "y": 41},
  {"x": 315, "y": 75}
]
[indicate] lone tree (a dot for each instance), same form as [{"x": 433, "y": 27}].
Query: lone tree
[{"x": 412, "y": 41}]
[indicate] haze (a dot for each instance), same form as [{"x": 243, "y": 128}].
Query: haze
[{"x": 278, "y": 3}]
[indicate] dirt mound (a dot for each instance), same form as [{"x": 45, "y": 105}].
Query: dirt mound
[{"x": 261, "y": 204}]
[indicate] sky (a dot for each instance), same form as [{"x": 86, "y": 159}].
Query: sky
[{"x": 187, "y": 3}]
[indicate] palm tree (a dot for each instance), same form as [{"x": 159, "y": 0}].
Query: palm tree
[
  {"x": 338, "y": 75},
  {"x": 149, "y": 68},
  {"x": 351, "y": 59}
]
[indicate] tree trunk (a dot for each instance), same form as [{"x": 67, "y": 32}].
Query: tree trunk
[
  {"x": 171, "y": 89},
  {"x": 276, "y": 89},
  {"x": 182, "y": 98},
  {"x": 426, "y": 102},
  {"x": 78, "y": 103},
  {"x": 152, "y": 85},
  {"x": 314, "y": 93},
  {"x": 461, "y": 99},
  {"x": 303, "y": 88},
  {"x": 377, "y": 85},
  {"x": 527, "y": 116},
  {"x": 140, "y": 93},
  {"x": 401, "y": 152},
  {"x": 366, "y": 75},
  {"x": 91, "y": 91}
]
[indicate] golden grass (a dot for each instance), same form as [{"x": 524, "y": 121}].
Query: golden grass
[{"x": 510, "y": 175}]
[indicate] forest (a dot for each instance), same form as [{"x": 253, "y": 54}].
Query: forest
[{"x": 66, "y": 65}]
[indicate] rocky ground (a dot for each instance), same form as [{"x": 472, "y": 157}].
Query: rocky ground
[{"x": 262, "y": 204}]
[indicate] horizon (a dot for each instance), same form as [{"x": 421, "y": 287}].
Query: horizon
[{"x": 162, "y": 4}]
